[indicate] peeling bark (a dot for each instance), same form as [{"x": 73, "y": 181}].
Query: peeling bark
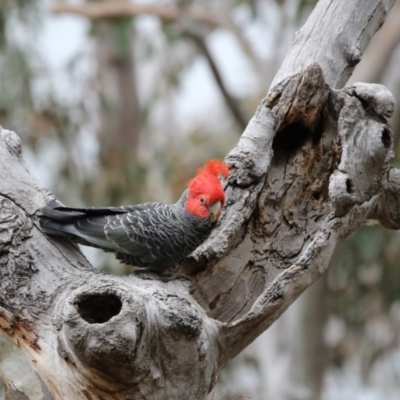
[{"x": 310, "y": 168}]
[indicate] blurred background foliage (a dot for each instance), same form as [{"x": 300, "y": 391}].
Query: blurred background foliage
[{"x": 118, "y": 102}]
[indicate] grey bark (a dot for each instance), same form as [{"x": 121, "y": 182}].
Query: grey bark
[{"x": 310, "y": 168}]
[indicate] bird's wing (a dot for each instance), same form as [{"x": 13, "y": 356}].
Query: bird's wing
[{"x": 150, "y": 234}]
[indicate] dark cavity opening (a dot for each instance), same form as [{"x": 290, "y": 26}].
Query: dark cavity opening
[
  {"x": 316, "y": 196},
  {"x": 290, "y": 138},
  {"x": 349, "y": 186},
  {"x": 386, "y": 140},
  {"x": 98, "y": 308}
]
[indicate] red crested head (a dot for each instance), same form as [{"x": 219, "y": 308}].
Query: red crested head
[{"x": 206, "y": 194}]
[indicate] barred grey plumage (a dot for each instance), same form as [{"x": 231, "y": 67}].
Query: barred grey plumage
[{"x": 149, "y": 235}]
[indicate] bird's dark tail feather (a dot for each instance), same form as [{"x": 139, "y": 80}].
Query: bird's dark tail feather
[
  {"x": 72, "y": 223},
  {"x": 54, "y": 217},
  {"x": 57, "y": 212}
]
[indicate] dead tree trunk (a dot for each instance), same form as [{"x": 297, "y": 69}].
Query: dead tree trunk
[{"x": 311, "y": 167}]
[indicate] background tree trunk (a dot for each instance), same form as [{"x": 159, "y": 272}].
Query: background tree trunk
[
  {"x": 310, "y": 168},
  {"x": 119, "y": 112}
]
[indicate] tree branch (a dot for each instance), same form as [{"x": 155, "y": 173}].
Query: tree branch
[
  {"x": 339, "y": 48},
  {"x": 311, "y": 166},
  {"x": 386, "y": 48},
  {"x": 231, "y": 103},
  {"x": 166, "y": 13}
]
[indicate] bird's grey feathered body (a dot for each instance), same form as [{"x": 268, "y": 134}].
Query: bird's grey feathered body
[{"x": 149, "y": 235}]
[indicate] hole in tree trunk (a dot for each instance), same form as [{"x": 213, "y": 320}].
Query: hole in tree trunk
[
  {"x": 290, "y": 138},
  {"x": 349, "y": 186},
  {"x": 386, "y": 140},
  {"x": 316, "y": 196},
  {"x": 98, "y": 308}
]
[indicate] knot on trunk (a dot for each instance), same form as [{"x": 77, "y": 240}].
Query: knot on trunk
[
  {"x": 107, "y": 331},
  {"x": 100, "y": 328}
]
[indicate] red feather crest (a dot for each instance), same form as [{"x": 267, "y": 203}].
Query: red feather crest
[
  {"x": 215, "y": 167},
  {"x": 206, "y": 183}
]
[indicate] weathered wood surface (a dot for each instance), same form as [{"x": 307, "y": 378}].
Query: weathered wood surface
[{"x": 311, "y": 167}]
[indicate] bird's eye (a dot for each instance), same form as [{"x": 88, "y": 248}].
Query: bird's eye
[{"x": 202, "y": 200}]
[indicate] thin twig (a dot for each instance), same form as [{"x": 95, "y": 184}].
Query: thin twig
[
  {"x": 224, "y": 395},
  {"x": 229, "y": 100}
]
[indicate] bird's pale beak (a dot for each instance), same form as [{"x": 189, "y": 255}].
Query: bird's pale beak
[{"x": 215, "y": 211}]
